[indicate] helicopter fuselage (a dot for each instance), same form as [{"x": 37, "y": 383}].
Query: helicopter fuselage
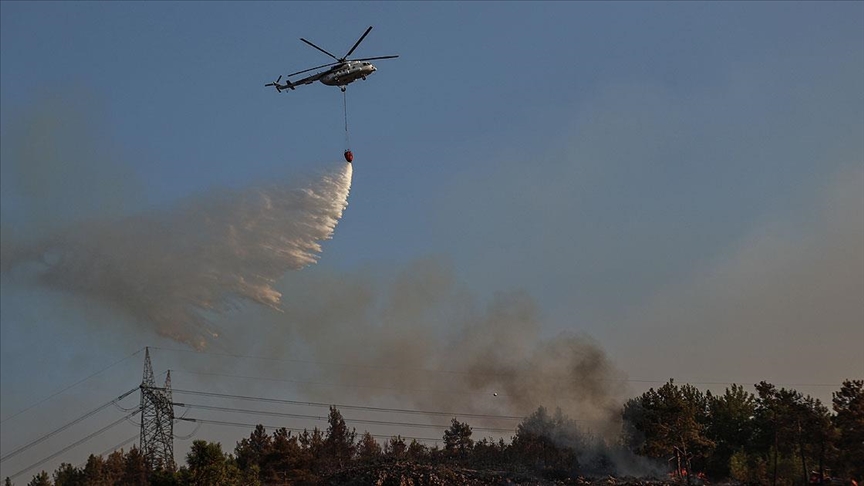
[
  {"x": 347, "y": 73},
  {"x": 340, "y": 73}
]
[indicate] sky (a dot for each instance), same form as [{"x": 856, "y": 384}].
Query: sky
[{"x": 674, "y": 189}]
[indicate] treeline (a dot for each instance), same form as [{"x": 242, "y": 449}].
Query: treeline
[{"x": 776, "y": 436}]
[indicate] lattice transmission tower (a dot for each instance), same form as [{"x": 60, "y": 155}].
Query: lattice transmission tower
[{"x": 157, "y": 419}]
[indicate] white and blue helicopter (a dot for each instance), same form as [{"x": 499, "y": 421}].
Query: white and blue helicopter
[{"x": 341, "y": 73}]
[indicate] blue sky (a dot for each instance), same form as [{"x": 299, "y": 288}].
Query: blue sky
[{"x": 640, "y": 169}]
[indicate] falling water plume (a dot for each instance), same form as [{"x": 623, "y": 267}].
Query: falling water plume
[{"x": 170, "y": 268}]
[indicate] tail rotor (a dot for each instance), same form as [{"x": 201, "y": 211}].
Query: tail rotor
[{"x": 276, "y": 84}]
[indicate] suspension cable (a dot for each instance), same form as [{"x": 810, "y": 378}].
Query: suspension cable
[
  {"x": 345, "y": 109},
  {"x": 70, "y": 424},
  {"x": 74, "y": 444},
  {"x": 317, "y": 417},
  {"x": 345, "y": 406},
  {"x": 71, "y": 386}
]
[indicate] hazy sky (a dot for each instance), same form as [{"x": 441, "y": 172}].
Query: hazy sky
[{"x": 681, "y": 184}]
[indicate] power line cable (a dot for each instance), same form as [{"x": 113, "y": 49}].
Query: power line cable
[
  {"x": 74, "y": 444},
  {"x": 70, "y": 424},
  {"x": 190, "y": 434},
  {"x": 71, "y": 386},
  {"x": 348, "y": 407},
  {"x": 318, "y": 417},
  {"x": 110, "y": 449}
]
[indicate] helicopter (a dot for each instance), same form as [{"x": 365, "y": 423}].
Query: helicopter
[{"x": 341, "y": 73}]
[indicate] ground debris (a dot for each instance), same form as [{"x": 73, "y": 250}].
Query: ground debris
[{"x": 413, "y": 474}]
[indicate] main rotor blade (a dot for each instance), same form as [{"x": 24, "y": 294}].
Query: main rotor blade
[
  {"x": 374, "y": 58},
  {"x": 316, "y": 47},
  {"x": 358, "y": 42},
  {"x": 312, "y": 69}
]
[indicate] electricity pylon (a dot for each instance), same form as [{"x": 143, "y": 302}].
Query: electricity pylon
[{"x": 157, "y": 419}]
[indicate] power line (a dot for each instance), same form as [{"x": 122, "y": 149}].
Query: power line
[
  {"x": 74, "y": 444},
  {"x": 239, "y": 424},
  {"x": 71, "y": 386},
  {"x": 110, "y": 449},
  {"x": 70, "y": 424},
  {"x": 317, "y": 417},
  {"x": 349, "y": 407}
]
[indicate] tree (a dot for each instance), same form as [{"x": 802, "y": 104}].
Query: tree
[
  {"x": 339, "y": 443},
  {"x": 792, "y": 432},
  {"x": 167, "y": 477},
  {"x": 730, "y": 428},
  {"x": 113, "y": 468},
  {"x": 287, "y": 461},
  {"x": 135, "y": 470},
  {"x": 253, "y": 450},
  {"x": 553, "y": 441},
  {"x": 68, "y": 475},
  {"x": 533, "y": 441},
  {"x": 848, "y": 405},
  {"x": 368, "y": 448},
  {"x": 457, "y": 439},
  {"x": 312, "y": 446},
  {"x": 94, "y": 471},
  {"x": 40, "y": 479},
  {"x": 816, "y": 435},
  {"x": 416, "y": 451},
  {"x": 487, "y": 453},
  {"x": 669, "y": 422},
  {"x": 207, "y": 464},
  {"x": 395, "y": 447}
]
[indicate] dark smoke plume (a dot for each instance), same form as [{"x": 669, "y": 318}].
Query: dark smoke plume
[{"x": 421, "y": 339}]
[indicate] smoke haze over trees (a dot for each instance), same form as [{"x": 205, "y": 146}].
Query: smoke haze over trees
[{"x": 776, "y": 436}]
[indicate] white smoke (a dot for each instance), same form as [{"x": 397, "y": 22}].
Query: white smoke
[{"x": 169, "y": 268}]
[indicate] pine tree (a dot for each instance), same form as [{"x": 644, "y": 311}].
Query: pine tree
[
  {"x": 395, "y": 447},
  {"x": 40, "y": 479},
  {"x": 113, "y": 468},
  {"x": 207, "y": 464},
  {"x": 368, "y": 448},
  {"x": 68, "y": 475},
  {"x": 457, "y": 439},
  {"x": 94, "y": 471},
  {"x": 848, "y": 404},
  {"x": 135, "y": 470},
  {"x": 254, "y": 450},
  {"x": 339, "y": 443},
  {"x": 416, "y": 451},
  {"x": 730, "y": 427}
]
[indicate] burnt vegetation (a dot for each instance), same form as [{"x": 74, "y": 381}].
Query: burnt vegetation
[{"x": 671, "y": 434}]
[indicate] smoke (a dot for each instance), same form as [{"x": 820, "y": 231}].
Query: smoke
[
  {"x": 790, "y": 289},
  {"x": 58, "y": 168},
  {"x": 418, "y": 338},
  {"x": 415, "y": 338},
  {"x": 174, "y": 268}
]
